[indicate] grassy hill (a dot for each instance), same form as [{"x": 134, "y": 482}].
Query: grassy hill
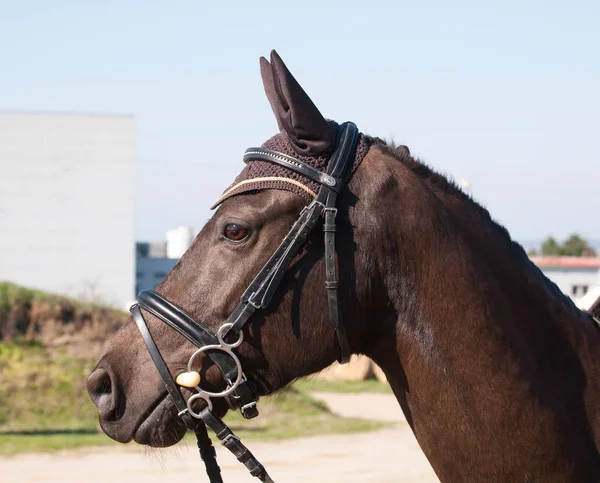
[
  {"x": 49, "y": 345},
  {"x": 54, "y": 321}
]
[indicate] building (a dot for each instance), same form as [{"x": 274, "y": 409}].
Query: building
[
  {"x": 178, "y": 241},
  {"x": 155, "y": 259},
  {"x": 150, "y": 272},
  {"x": 151, "y": 265},
  {"x": 67, "y": 204},
  {"x": 575, "y": 276}
]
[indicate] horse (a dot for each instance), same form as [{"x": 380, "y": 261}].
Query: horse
[{"x": 494, "y": 368}]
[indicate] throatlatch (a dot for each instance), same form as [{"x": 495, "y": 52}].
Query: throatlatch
[{"x": 240, "y": 392}]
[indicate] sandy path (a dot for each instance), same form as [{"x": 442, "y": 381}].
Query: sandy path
[
  {"x": 382, "y": 456},
  {"x": 365, "y": 405}
]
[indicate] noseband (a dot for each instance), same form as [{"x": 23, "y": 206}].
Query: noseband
[{"x": 241, "y": 392}]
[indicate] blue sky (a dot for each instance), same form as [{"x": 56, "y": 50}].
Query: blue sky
[{"x": 504, "y": 94}]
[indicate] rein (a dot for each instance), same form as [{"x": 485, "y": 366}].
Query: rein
[{"x": 240, "y": 392}]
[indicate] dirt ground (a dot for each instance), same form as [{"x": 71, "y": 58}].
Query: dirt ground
[{"x": 388, "y": 455}]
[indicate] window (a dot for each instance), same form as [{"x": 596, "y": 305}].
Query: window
[
  {"x": 142, "y": 249},
  {"x": 579, "y": 290}
]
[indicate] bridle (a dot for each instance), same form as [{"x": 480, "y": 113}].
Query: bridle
[{"x": 241, "y": 392}]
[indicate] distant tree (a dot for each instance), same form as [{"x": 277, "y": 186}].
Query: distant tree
[
  {"x": 574, "y": 246},
  {"x": 550, "y": 247}
]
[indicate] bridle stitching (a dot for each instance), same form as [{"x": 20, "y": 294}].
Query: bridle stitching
[{"x": 266, "y": 179}]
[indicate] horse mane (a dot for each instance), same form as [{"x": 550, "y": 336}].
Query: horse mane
[{"x": 441, "y": 183}]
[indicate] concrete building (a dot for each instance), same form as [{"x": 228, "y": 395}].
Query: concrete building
[
  {"x": 575, "y": 276},
  {"x": 151, "y": 271},
  {"x": 155, "y": 259},
  {"x": 67, "y": 203},
  {"x": 151, "y": 264},
  {"x": 178, "y": 241}
]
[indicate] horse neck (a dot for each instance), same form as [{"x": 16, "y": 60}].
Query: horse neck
[{"x": 468, "y": 302}]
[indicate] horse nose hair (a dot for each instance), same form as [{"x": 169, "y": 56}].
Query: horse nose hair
[{"x": 103, "y": 391}]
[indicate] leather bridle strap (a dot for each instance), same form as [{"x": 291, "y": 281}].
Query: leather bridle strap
[
  {"x": 245, "y": 397},
  {"x": 188, "y": 327},
  {"x": 205, "y": 447},
  {"x": 233, "y": 444},
  {"x": 260, "y": 292},
  {"x": 275, "y": 157},
  {"x": 340, "y": 167}
]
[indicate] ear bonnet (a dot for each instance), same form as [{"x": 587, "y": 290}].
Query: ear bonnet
[{"x": 305, "y": 134}]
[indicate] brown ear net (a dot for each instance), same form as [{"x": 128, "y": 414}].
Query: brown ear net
[
  {"x": 305, "y": 134},
  {"x": 296, "y": 113}
]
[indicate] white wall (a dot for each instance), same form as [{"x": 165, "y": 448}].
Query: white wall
[
  {"x": 66, "y": 203},
  {"x": 567, "y": 278},
  {"x": 178, "y": 241}
]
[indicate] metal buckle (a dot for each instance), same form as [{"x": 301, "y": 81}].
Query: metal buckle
[
  {"x": 254, "y": 304},
  {"x": 229, "y": 437},
  {"x": 315, "y": 202},
  {"x": 249, "y": 405},
  {"x": 249, "y": 414},
  {"x": 331, "y": 210}
]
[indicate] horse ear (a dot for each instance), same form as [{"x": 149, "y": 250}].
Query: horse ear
[
  {"x": 266, "y": 73},
  {"x": 296, "y": 114}
]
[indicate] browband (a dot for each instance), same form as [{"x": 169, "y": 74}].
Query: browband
[
  {"x": 275, "y": 157},
  {"x": 265, "y": 179}
]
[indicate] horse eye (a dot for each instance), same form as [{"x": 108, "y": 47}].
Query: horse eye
[{"x": 235, "y": 232}]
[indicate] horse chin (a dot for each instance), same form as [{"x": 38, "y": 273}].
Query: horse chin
[{"x": 161, "y": 428}]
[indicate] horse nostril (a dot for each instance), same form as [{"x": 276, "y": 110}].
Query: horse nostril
[{"x": 101, "y": 388}]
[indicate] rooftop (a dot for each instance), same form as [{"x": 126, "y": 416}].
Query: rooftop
[{"x": 567, "y": 262}]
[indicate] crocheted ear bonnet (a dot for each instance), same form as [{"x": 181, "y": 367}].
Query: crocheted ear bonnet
[{"x": 305, "y": 135}]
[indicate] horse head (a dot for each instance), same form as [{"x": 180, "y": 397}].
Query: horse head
[{"x": 291, "y": 336}]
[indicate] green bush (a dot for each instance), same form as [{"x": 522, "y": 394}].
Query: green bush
[{"x": 43, "y": 389}]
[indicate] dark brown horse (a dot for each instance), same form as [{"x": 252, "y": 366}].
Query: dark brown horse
[{"x": 494, "y": 368}]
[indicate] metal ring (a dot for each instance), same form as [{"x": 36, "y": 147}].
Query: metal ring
[
  {"x": 228, "y": 326},
  {"x": 232, "y": 387},
  {"x": 202, "y": 396}
]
